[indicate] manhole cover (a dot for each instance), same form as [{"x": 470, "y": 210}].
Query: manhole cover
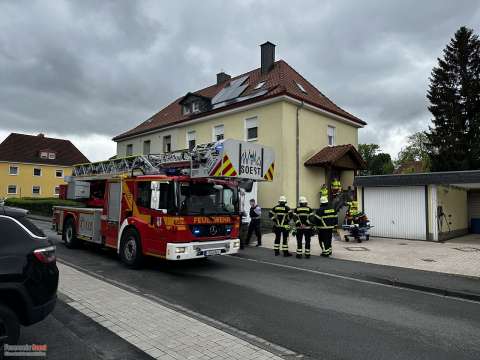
[
  {"x": 356, "y": 248},
  {"x": 429, "y": 260},
  {"x": 467, "y": 249},
  {"x": 403, "y": 244}
]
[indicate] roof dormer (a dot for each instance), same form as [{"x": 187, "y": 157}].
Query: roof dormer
[{"x": 194, "y": 104}]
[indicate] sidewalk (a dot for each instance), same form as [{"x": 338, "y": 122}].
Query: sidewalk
[
  {"x": 160, "y": 331},
  {"x": 458, "y": 256}
]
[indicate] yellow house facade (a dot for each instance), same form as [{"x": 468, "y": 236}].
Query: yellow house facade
[
  {"x": 35, "y": 166},
  {"x": 290, "y": 115},
  {"x": 31, "y": 180}
]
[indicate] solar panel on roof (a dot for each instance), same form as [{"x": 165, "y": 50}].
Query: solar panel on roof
[{"x": 232, "y": 91}]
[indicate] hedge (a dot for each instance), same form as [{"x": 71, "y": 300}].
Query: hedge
[{"x": 40, "y": 206}]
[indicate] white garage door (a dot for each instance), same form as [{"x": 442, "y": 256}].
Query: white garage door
[{"x": 396, "y": 212}]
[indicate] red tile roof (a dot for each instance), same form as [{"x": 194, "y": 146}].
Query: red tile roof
[
  {"x": 281, "y": 80},
  {"x": 329, "y": 155},
  {"x": 26, "y": 149}
]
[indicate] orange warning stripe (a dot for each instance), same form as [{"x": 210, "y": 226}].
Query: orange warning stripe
[
  {"x": 269, "y": 174},
  {"x": 225, "y": 168}
]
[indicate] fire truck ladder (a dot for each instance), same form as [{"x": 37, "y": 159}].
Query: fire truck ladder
[{"x": 193, "y": 161}]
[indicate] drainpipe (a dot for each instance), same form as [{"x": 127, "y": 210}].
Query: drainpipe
[{"x": 297, "y": 152}]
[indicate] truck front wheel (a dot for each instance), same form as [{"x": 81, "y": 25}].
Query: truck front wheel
[
  {"x": 131, "y": 249},
  {"x": 69, "y": 234},
  {"x": 9, "y": 327}
]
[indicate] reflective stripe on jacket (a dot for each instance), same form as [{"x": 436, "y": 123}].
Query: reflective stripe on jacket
[{"x": 280, "y": 215}]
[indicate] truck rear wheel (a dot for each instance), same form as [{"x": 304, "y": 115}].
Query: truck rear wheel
[
  {"x": 131, "y": 249},
  {"x": 9, "y": 327},
  {"x": 69, "y": 234}
]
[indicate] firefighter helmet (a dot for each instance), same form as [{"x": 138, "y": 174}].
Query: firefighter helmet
[
  {"x": 323, "y": 200},
  {"x": 282, "y": 199},
  {"x": 303, "y": 200}
]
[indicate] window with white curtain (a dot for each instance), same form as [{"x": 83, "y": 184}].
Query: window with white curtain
[
  {"x": 251, "y": 129},
  {"x": 191, "y": 138},
  {"x": 331, "y": 135},
  {"x": 218, "y": 133}
]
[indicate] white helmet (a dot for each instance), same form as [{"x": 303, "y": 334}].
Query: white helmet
[
  {"x": 282, "y": 199},
  {"x": 303, "y": 200},
  {"x": 323, "y": 200}
]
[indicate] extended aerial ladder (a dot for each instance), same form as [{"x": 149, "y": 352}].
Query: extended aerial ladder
[{"x": 226, "y": 158}]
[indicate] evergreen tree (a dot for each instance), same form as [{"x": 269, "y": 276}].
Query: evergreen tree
[{"x": 454, "y": 94}]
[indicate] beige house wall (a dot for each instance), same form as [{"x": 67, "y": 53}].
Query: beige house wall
[
  {"x": 276, "y": 128},
  {"x": 455, "y": 206}
]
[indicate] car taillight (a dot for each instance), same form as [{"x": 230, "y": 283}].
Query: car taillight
[{"x": 45, "y": 255}]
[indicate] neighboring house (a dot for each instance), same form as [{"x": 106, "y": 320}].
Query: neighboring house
[
  {"x": 425, "y": 206},
  {"x": 34, "y": 166},
  {"x": 273, "y": 105}
]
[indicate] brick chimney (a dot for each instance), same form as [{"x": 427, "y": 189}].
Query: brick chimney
[
  {"x": 222, "y": 77},
  {"x": 267, "y": 57}
]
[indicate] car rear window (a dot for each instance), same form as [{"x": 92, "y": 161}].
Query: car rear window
[{"x": 31, "y": 226}]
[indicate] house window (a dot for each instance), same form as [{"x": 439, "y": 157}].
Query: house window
[
  {"x": 218, "y": 133},
  {"x": 12, "y": 189},
  {"x": 259, "y": 85},
  {"x": 51, "y": 156},
  {"x": 44, "y": 155},
  {"x": 146, "y": 147},
  {"x": 129, "y": 150},
  {"x": 195, "y": 107},
  {"x": 37, "y": 172},
  {"x": 251, "y": 129},
  {"x": 331, "y": 135},
  {"x": 59, "y": 173},
  {"x": 56, "y": 191},
  {"x": 36, "y": 190},
  {"x": 186, "y": 109},
  {"x": 13, "y": 170},
  {"x": 191, "y": 137},
  {"x": 167, "y": 143}
]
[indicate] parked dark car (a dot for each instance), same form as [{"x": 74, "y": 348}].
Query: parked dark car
[{"x": 28, "y": 274}]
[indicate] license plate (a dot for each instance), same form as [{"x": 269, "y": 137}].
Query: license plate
[{"x": 213, "y": 252}]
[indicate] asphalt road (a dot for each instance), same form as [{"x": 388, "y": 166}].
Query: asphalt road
[{"x": 301, "y": 307}]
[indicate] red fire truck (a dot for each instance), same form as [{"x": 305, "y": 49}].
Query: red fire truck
[{"x": 176, "y": 206}]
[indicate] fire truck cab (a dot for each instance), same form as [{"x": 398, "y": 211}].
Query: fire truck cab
[{"x": 175, "y": 206}]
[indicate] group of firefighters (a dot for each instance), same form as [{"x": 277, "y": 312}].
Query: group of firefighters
[{"x": 306, "y": 222}]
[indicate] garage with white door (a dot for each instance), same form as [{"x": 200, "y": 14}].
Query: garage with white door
[{"x": 426, "y": 206}]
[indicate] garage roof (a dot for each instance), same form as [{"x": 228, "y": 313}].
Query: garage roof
[{"x": 446, "y": 178}]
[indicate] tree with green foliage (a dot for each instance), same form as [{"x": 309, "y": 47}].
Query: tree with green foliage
[
  {"x": 378, "y": 163},
  {"x": 454, "y": 94},
  {"x": 416, "y": 150}
]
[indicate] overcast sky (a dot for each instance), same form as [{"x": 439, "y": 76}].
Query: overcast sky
[{"x": 89, "y": 70}]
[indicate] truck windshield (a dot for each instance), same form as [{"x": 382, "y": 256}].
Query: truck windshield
[{"x": 207, "y": 198}]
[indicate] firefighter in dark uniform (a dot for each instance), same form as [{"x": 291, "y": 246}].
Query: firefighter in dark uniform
[
  {"x": 301, "y": 215},
  {"x": 325, "y": 220},
  {"x": 281, "y": 215}
]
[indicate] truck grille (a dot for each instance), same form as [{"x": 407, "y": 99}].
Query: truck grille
[{"x": 211, "y": 230}]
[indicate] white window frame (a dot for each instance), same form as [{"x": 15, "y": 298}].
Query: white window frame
[
  {"x": 164, "y": 150},
  {"x": 334, "y": 135},
  {"x": 186, "y": 109},
  {"x": 51, "y": 156},
  {"x": 16, "y": 189},
  {"x": 259, "y": 85},
  {"x": 300, "y": 86},
  {"x": 248, "y": 125},
  {"x": 10, "y": 170},
  {"x": 59, "y": 177},
  {"x": 149, "y": 147},
  {"x": 189, "y": 132},
  {"x": 215, "y": 133},
  {"x": 195, "y": 107},
  {"x": 39, "y": 190},
  {"x": 37, "y": 168},
  {"x": 126, "y": 150},
  {"x": 55, "y": 190},
  {"x": 44, "y": 154}
]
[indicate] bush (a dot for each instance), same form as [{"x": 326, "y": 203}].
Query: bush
[{"x": 40, "y": 206}]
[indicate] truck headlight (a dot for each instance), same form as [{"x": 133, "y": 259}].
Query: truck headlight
[
  {"x": 180, "y": 250},
  {"x": 236, "y": 244}
]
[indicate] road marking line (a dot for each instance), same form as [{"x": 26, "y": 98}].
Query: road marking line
[{"x": 343, "y": 277}]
